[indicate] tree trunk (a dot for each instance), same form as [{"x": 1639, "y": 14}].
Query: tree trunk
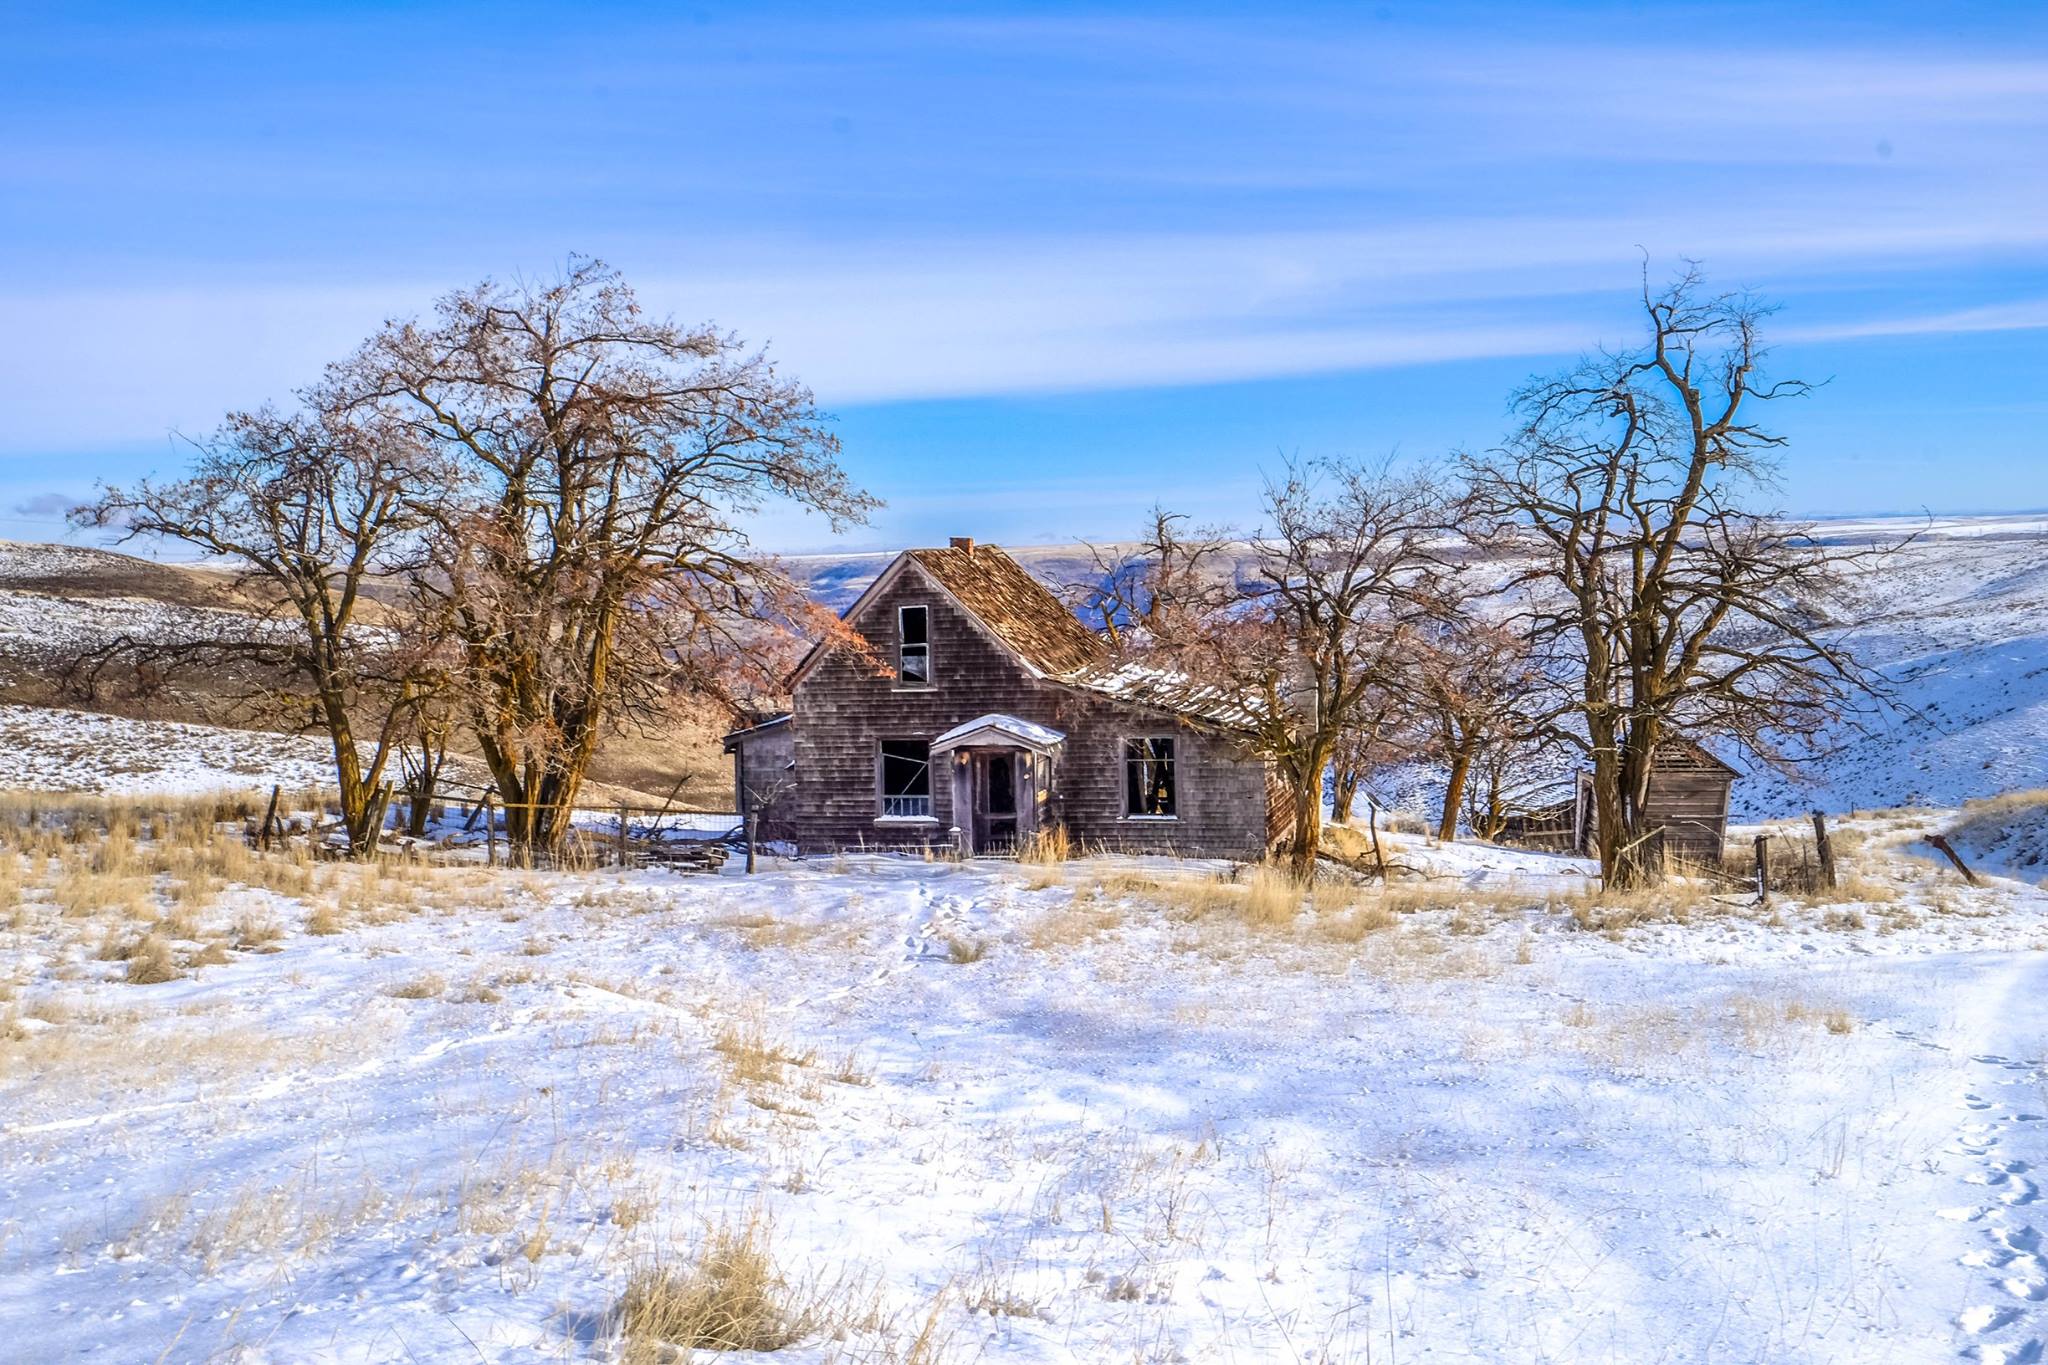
[
  {"x": 1611, "y": 832},
  {"x": 1308, "y": 824},
  {"x": 1621, "y": 776},
  {"x": 1454, "y": 789},
  {"x": 1344, "y": 794},
  {"x": 354, "y": 789}
]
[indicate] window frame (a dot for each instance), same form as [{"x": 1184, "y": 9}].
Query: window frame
[
  {"x": 883, "y": 796},
  {"x": 1128, "y": 756},
  {"x": 904, "y": 647}
]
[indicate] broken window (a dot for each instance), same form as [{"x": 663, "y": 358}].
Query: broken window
[
  {"x": 913, "y": 646},
  {"x": 1149, "y": 778},
  {"x": 906, "y": 779}
]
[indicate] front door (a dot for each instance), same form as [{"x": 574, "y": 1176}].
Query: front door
[{"x": 995, "y": 803}]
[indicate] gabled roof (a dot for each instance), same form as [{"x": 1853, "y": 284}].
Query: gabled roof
[
  {"x": 999, "y": 729},
  {"x": 1014, "y": 609},
  {"x": 1022, "y": 615},
  {"x": 1019, "y": 609}
]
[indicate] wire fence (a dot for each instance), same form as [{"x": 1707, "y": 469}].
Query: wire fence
[{"x": 456, "y": 820}]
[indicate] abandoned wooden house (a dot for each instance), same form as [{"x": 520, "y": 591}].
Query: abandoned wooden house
[
  {"x": 992, "y": 714},
  {"x": 1687, "y": 807}
]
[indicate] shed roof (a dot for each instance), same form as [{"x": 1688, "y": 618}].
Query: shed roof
[
  {"x": 1686, "y": 753},
  {"x": 733, "y": 738}
]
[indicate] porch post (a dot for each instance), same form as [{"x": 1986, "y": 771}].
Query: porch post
[{"x": 963, "y": 804}]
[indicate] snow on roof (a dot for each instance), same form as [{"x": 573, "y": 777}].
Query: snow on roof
[
  {"x": 1166, "y": 689},
  {"x": 996, "y": 727}
]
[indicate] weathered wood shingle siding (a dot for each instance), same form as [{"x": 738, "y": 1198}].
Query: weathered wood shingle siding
[{"x": 843, "y": 711}]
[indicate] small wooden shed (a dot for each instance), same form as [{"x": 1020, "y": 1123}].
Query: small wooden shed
[{"x": 1687, "y": 805}]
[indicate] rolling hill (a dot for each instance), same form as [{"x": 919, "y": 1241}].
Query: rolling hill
[{"x": 1957, "y": 621}]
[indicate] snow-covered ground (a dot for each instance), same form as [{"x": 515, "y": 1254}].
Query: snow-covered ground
[
  {"x": 1087, "y": 1114},
  {"x": 45, "y": 749}
]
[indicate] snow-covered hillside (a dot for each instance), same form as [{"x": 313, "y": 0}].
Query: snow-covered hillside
[
  {"x": 1958, "y": 622},
  {"x": 58, "y": 599},
  {"x": 45, "y": 749}
]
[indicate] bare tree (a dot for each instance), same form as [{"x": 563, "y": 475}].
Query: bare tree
[
  {"x": 1467, "y": 677},
  {"x": 1385, "y": 733},
  {"x": 1147, "y": 591},
  {"x": 592, "y": 566},
  {"x": 1311, "y": 628},
  {"x": 1513, "y": 777},
  {"x": 423, "y": 759},
  {"x": 309, "y": 509},
  {"x": 1677, "y": 607}
]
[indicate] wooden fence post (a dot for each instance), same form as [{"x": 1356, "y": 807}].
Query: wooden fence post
[
  {"x": 622, "y": 834},
  {"x": 1941, "y": 842},
  {"x": 1825, "y": 848},
  {"x": 1763, "y": 869},
  {"x": 752, "y": 816},
  {"x": 490, "y": 830},
  {"x": 269, "y": 817}
]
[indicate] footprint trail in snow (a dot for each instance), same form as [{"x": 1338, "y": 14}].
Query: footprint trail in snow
[{"x": 2010, "y": 1325}]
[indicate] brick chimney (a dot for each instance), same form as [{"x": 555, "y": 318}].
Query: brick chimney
[{"x": 964, "y": 543}]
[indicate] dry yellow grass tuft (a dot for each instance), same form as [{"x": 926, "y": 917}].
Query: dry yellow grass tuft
[
  {"x": 752, "y": 1055},
  {"x": 151, "y": 962},
  {"x": 962, "y": 949},
  {"x": 1046, "y": 847},
  {"x": 729, "y": 1298},
  {"x": 1263, "y": 897},
  {"x": 424, "y": 987}
]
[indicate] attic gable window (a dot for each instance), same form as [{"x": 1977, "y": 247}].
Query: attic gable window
[
  {"x": 1149, "y": 779},
  {"x": 913, "y": 646}
]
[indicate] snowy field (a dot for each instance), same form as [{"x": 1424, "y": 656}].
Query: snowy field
[{"x": 1112, "y": 1111}]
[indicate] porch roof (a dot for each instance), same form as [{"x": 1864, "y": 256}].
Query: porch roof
[{"x": 996, "y": 729}]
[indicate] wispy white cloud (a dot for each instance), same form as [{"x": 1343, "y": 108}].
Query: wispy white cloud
[
  {"x": 1041, "y": 205},
  {"x": 2020, "y": 315},
  {"x": 1020, "y": 315}
]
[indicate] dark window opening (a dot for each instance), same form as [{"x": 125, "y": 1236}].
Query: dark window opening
[
  {"x": 913, "y": 645},
  {"x": 1149, "y": 777},
  {"x": 906, "y": 778}
]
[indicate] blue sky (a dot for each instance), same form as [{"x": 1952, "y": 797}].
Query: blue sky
[{"x": 1047, "y": 265}]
